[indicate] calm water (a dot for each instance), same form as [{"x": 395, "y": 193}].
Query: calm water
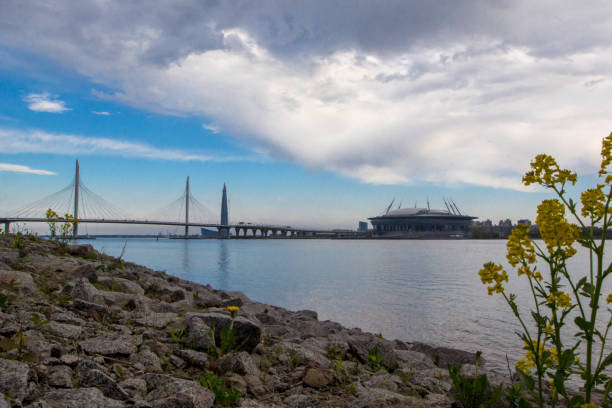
[{"x": 425, "y": 291}]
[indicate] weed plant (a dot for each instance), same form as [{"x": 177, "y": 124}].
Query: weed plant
[{"x": 558, "y": 293}]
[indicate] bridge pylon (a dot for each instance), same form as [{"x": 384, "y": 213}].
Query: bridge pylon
[
  {"x": 77, "y": 182},
  {"x": 187, "y": 197}
]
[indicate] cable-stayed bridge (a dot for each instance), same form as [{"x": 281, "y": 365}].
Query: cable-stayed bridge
[{"x": 88, "y": 207}]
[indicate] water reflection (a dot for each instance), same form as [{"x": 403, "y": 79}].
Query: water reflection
[
  {"x": 224, "y": 264},
  {"x": 186, "y": 257}
]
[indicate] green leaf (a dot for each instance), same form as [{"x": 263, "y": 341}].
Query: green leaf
[
  {"x": 526, "y": 380},
  {"x": 524, "y": 404},
  {"x": 582, "y": 323},
  {"x": 580, "y": 283}
]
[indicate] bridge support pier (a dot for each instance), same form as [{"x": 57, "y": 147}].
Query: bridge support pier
[{"x": 7, "y": 227}]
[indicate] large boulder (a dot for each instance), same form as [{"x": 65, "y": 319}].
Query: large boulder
[
  {"x": 360, "y": 345},
  {"x": 81, "y": 398},
  {"x": 68, "y": 331},
  {"x": 194, "y": 358},
  {"x": 415, "y": 360},
  {"x": 22, "y": 282},
  {"x": 60, "y": 376},
  {"x": 86, "y": 271},
  {"x": 14, "y": 378},
  {"x": 120, "y": 285},
  {"x": 444, "y": 356},
  {"x": 169, "y": 392},
  {"x": 239, "y": 363},
  {"x": 248, "y": 333},
  {"x": 82, "y": 289},
  {"x": 91, "y": 374},
  {"x": 81, "y": 250}
]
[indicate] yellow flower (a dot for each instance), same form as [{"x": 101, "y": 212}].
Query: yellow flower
[
  {"x": 590, "y": 405},
  {"x": 593, "y": 202},
  {"x": 560, "y": 299},
  {"x": 520, "y": 249},
  {"x": 609, "y": 299},
  {"x": 524, "y": 366},
  {"x": 495, "y": 275},
  {"x": 556, "y": 232},
  {"x": 546, "y": 171},
  {"x": 606, "y": 155},
  {"x": 233, "y": 311},
  {"x": 549, "y": 329}
]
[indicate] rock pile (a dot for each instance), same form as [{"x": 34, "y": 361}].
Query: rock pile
[{"x": 82, "y": 329}]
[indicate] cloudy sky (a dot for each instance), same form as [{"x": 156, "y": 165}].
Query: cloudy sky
[{"x": 314, "y": 113}]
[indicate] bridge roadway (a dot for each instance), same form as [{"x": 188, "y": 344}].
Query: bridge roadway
[{"x": 240, "y": 228}]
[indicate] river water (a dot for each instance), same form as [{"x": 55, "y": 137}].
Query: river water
[{"x": 413, "y": 290}]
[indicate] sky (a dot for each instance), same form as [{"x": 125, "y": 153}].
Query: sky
[{"x": 314, "y": 114}]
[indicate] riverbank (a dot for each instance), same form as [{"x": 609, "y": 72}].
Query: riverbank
[{"x": 84, "y": 329}]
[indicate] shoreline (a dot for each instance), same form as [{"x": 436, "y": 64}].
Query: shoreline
[{"x": 287, "y": 358}]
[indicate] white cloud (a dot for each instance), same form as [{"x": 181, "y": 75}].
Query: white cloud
[
  {"x": 103, "y": 113},
  {"x": 35, "y": 141},
  {"x": 17, "y": 168},
  {"x": 469, "y": 113},
  {"x": 44, "y": 102},
  {"x": 465, "y": 92},
  {"x": 214, "y": 129}
]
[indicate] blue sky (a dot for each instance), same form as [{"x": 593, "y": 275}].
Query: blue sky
[{"x": 313, "y": 114}]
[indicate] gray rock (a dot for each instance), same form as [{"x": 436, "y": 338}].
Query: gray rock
[
  {"x": 81, "y": 398},
  {"x": 318, "y": 377},
  {"x": 3, "y": 402},
  {"x": 198, "y": 334},
  {"x": 89, "y": 377},
  {"x": 385, "y": 381},
  {"x": 443, "y": 356},
  {"x": 135, "y": 386},
  {"x": 84, "y": 290},
  {"x": 305, "y": 355},
  {"x": 86, "y": 271},
  {"x": 300, "y": 401},
  {"x": 69, "y": 359},
  {"x": 22, "y": 281},
  {"x": 89, "y": 308},
  {"x": 81, "y": 249},
  {"x": 14, "y": 378},
  {"x": 376, "y": 397},
  {"x": 248, "y": 333},
  {"x": 121, "y": 285},
  {"x": 232, "y": 302},
  {"x": 67, "y": 317},
  {"x": 361, "y": 344},
  {"x": 67, "y": 331},
  {"x": 239, "y": 363},
  {"x": 157, "y": 320},
  {"x": 440, "y": 400},
  {"x": 414, "y": 360},
  {"x": 206, "y": 299},
  {"x": 170, "y": 392},
  {"x": 148, "y": 359},
  {"x": 177, "y": 361},
  {"x": 60, "y": 376},
  {"x": 194, "y": 358},
  {"x": 111, "y": 345}
]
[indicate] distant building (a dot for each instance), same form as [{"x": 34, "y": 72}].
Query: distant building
[
  {"x": 524, "y": 222},
  {"x": 363, "y": 226},
  {"x": 421, "y": 222}
]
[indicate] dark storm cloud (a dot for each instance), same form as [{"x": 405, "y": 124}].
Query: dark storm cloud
[{"x": 162, "y": 31}]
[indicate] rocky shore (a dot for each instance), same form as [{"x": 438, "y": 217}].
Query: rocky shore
[{"x": 83, "y": 329}]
